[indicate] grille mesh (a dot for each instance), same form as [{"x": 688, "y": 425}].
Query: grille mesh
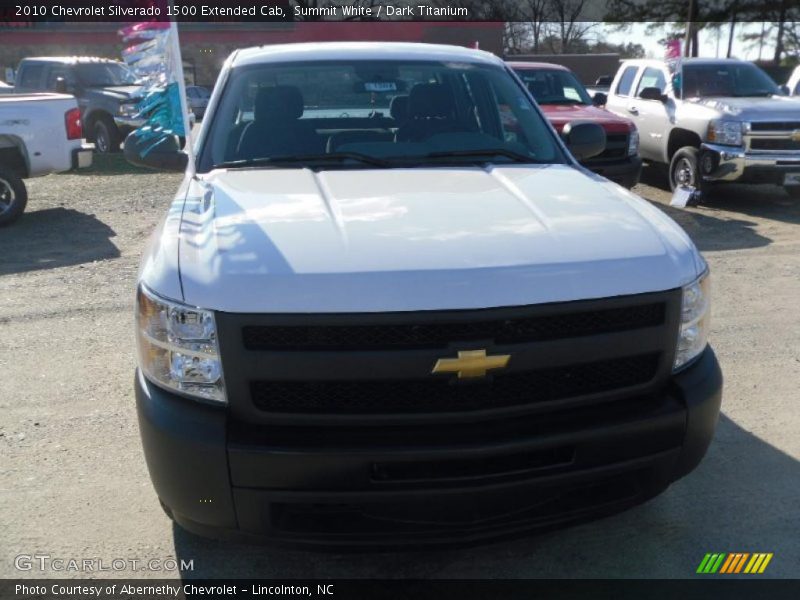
[
  {"x": 440, "y": 335},
  {"x": 774, "y": 144},
  {"x": 775, "y": 126},
  {"x": 440, "y": 394}
]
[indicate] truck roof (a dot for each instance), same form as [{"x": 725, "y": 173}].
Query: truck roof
[
  {"x": 686, "y": 60},
  {"x": 68, "y": 60},
  {"x": 331, "y": 51},
  {"x": 518, "y": 64}
]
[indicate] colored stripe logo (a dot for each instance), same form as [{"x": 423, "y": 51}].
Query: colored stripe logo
[{"x": 734, "y": 562}]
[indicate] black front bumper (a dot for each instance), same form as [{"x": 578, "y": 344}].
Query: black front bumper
[
  {"x": 624, "y": 172},
  {"x": 225, "y": 480}
]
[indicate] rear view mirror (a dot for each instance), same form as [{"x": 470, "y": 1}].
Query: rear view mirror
[
  {"x": 652, "y": 93},
  {"x": 584, "y": 139},
  {"x": 599, "y": 99},
  {"x": 159, "y": 151}
]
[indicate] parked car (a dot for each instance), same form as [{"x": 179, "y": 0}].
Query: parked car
[
  {"x": 39, "y": 134},
  {"x": 400, "y": 318},
  {"x": 563, "y": 99},
  {"x": 722, "y": 120},
  {"x": 197, "y": 97},
  {"x": 107, "y": 92}
]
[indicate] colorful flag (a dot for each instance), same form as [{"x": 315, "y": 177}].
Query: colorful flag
[{"x": 153, "y": 54}]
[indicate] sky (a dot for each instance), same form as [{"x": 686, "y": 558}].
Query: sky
[{"x": 637, "y": 33}]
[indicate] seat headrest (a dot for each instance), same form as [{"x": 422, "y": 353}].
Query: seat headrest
[
  {"x": 430, "y": 100},
  {"x": 278, "y": 103},
  {"x": 538, "y": 88},
  {"x": 399, "y": 108}
]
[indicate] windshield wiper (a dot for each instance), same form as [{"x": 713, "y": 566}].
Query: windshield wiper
[
  {"x": 516, "y": 157},
  {"x": 276, "y": 161}
]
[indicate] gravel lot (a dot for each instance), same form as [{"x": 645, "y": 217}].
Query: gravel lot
[{"x": 73, "y": 481}]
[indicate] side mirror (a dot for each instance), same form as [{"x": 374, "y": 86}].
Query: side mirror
[
  {"x": 599, "y": 99},
  {"x": 155, "y": 151},
  {"x": 584, "y": 139},
  {"x": 652, "y": 93}
]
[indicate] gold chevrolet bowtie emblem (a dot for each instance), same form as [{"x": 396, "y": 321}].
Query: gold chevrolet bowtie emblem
[
  {"x": 471, "y": 363},
  {"x": 796, "y": 135}
]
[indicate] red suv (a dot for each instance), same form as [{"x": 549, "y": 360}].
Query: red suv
[{"x": 563, "y": 98}]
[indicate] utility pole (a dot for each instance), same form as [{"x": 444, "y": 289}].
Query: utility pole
[{"x": 687, "y": 44}]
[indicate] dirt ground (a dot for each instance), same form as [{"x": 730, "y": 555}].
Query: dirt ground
[{"x": 73, "y": 482}]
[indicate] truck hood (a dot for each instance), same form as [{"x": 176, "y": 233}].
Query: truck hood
[
  {"x": 561, "y": 114},
  {"x": 298, "y": 241},
  {"x": 120, "y": 92},
  {"x": 773, "y": 108}
]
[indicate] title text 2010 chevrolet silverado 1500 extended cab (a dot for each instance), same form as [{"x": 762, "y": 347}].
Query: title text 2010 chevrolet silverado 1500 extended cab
[
  {"x": 39, "y": 134},
  {"x": 720, "y": 120},
  {"x": 378, "y": 312}
]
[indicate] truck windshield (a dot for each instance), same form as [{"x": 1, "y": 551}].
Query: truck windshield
[
  {"x": 104, "y": 74},
  {"x": 554, "y": 86},
  {"x": 367, "y": 114},
  {"x": 726, "y": 79}
]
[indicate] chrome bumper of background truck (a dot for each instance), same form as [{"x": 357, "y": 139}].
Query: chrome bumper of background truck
[{"x": 728, "y": 163}]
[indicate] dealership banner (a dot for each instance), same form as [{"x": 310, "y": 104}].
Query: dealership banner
[
  {"x": 26, "y": 13},
  {"x": 501, "y": 589}
]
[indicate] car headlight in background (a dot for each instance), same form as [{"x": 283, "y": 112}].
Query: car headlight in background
[
  {"x": 727, "y": 133},
  {"x": 178, "y": 347},
  {"x": 695, "y": 309},
  {"x": 633, "y": 143},
  {"x": 129, "y": 110}
]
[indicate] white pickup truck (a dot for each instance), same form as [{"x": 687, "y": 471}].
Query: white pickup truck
[
  {"x": 39, "y": 134},
  {"x": 388, "y": 306}
]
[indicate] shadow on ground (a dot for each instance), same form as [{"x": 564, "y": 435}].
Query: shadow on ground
[
  {"x": 742, "y": 498},
  {"x": 54, "y": 237},
  {"x": 110, "y": 164}
]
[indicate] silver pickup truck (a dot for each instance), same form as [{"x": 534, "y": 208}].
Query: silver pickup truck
[{"x": 712, "y": 120}]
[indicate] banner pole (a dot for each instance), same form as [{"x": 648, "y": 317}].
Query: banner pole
[{"x": 187, "y": 126}]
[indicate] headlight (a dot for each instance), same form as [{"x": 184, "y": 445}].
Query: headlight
[
  {"x": 633, "y": 143},
  {"x": 129, "y": 110},
  {"x": 695, "y": 309},
  {"x": 178, "y": 347},
  {"x": 727, "y": 133}
]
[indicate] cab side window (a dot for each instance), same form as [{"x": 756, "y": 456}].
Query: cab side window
[
  {"x": 626, "y": 81},
  {"x": 652, "y": 78}
]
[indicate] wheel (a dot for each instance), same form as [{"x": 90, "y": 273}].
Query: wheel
[
  {"x": 13, "y": 196},
  {"x": 684, "y": 169},
  {"x": 106, "y": 136},
  {"x": 793, "y": 191}
]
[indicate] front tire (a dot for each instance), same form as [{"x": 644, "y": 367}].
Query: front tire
[
  {"x": 106, "y": 136},
  {"x": 13, "y": 196},
  {"x": 684, "y": 169}
]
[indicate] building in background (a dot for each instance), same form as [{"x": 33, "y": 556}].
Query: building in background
[{"x": 206, "y": 45}]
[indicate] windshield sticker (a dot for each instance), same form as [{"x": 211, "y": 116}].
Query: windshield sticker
[{"x": 380, "y": 86}]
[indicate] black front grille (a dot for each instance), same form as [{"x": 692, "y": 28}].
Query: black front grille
[
  {"x": 441, "y": 334},
  {"x": 616, "y": 148},
  {"x": 774, "y": 144},
  {"x": 441, "y": 394},
  {"x": 775, "y": 126}
]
